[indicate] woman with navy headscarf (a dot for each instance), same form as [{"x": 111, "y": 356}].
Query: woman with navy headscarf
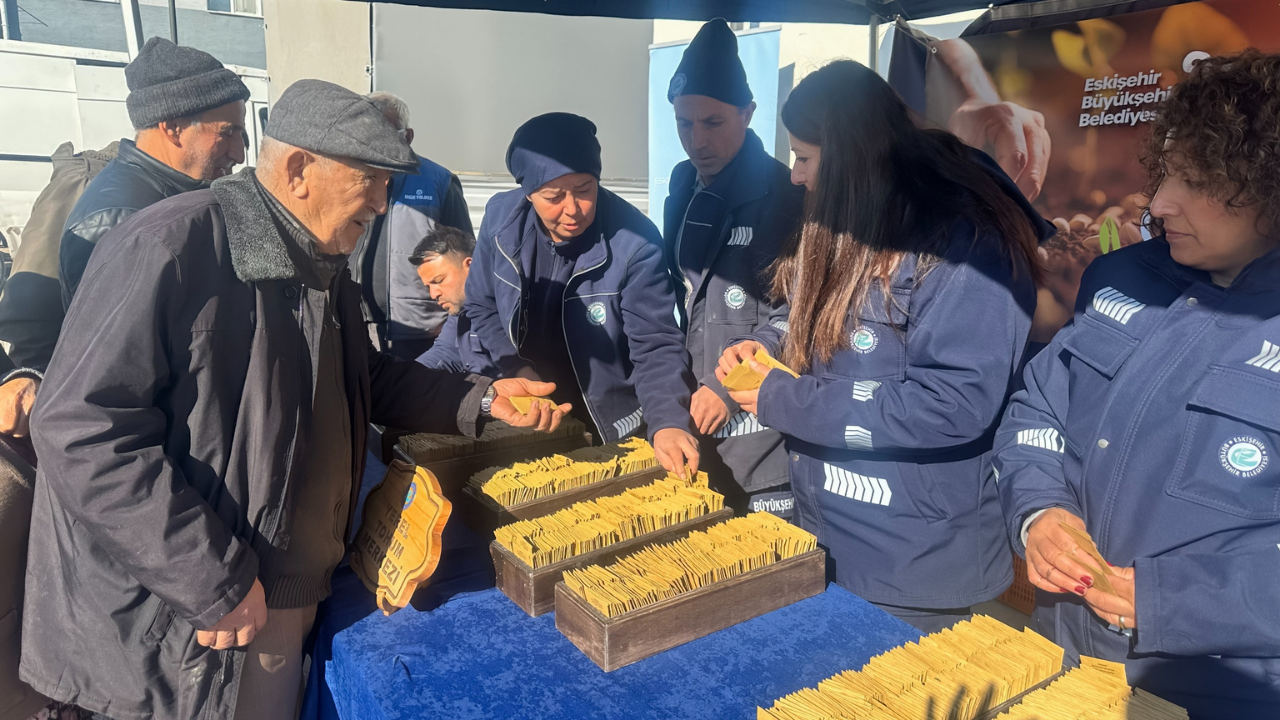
[
  {"x": 568, "y": 284},
  {"x": 1152, "y": 422},
  {"x": 910, "y": 290}
]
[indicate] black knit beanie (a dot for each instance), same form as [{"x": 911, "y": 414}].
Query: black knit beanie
[
  {"x": 168, "y": 81},
  {"x": 551, "y": 146},
  {"x": 711, "y": 67}
]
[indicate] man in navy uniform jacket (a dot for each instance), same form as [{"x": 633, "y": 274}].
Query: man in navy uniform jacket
[
  {"x": 731, "y": 208},
  {"x": 568, "y": 282}
]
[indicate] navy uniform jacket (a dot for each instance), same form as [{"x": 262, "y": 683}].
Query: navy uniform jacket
[
  {"x": 457, "y": 349},
  {"x": 619, "y": 315},
  {"x": 890, "y": 441},
  {"x": 759, "y": 211},
  {"x": 1155, "y": 417}
]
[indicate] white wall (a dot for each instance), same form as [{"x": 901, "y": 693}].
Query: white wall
[
  {"x": 471, "y": 77},
  {"x": 52, "y": 94}
]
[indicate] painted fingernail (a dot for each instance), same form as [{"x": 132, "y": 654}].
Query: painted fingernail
[
  {"x": 1080, "y": 590},
  {"x": 1088, "y": 581}
]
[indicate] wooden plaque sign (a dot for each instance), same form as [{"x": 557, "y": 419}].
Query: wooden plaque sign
[{"x": 398, "y": 544}]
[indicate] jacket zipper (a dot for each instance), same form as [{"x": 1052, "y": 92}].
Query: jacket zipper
[
  {"x": 564, "y": 331},
  {"x": 511, "y": 332}
]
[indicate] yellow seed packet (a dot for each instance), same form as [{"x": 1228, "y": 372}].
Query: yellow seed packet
[
  {"x": 524, "y": 403},
  {"x": 743, "y": 377},
  {"x": 1101, "y": 568}
]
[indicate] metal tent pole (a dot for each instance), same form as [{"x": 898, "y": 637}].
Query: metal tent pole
[
  {"x": 132, "y": 26},
  {"x": 173, "y": 21},
  {"x": 873, "y": 29},
  {"x": 12, "y": 28}
]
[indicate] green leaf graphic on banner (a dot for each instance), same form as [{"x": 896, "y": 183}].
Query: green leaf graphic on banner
[{"x": 1109, "y": 235}]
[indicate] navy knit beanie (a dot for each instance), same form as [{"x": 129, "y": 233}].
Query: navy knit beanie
[
  {"x": 168, "y": 81},
  {"x": 551, "y": 146},
  {"x": 711, "y": 67}
]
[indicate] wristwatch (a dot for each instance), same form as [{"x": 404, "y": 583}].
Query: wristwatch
[{"x": 486, "y": 402}]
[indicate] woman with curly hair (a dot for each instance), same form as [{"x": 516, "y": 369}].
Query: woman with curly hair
[
  {"x": 910, "y": 290},
  {"x": 1152, "y": 422}
]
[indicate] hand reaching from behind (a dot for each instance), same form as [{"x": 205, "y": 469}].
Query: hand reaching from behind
[{"x": 541, "y": 416}]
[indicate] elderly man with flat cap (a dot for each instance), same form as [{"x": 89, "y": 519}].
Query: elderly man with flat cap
[
  {"x": 567, "y": 284},
  {"x": 732, "y": 207},
  {"x": 202, "y": 425}
]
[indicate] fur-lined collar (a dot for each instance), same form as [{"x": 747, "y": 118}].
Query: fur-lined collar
[{"x": 258, "y": 252}]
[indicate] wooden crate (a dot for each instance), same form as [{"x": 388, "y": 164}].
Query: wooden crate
[
  {"x": 483, "y": 514},
  {"x": 453, "y": 472},
  {"x": 616, "y": 642},
  {"x": 535, "y": 590}
]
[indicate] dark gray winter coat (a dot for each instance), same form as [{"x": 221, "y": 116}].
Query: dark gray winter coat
[{"x": 168, "y": 427}]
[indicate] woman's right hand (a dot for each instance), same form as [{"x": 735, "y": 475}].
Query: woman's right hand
[
  {"x": 734, "y": 355},
  {"x": 1050, "y": 553}
]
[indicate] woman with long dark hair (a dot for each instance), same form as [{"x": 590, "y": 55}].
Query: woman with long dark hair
[{"x": 910, "y": 290}]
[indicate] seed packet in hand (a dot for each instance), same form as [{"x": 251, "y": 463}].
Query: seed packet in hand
[
  {"x": 524, "y": 403},
  {"x": 743, "y": 377},
  {"x": 1102, "y": 569}
]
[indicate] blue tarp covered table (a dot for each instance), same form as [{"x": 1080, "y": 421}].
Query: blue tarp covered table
[{"x": 477, "y": 656}]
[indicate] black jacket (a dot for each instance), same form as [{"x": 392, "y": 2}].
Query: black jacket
[
  {"x": 134, "y": 180},
  {"x": 170, "y": 419},
  {"x": 732, "y": 298}
]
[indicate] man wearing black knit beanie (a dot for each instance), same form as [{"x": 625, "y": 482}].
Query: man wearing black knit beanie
[
  {"x": 188, "y": 111},
  {"x": 731, "y": 207}
]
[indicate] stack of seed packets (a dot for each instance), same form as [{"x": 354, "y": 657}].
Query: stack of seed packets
[
  {"x": 535, "y": 479},
  {"x": 727, "y": 550},
  {"x": 959, "y": 673},
  {"x": 594, "y": 524}
]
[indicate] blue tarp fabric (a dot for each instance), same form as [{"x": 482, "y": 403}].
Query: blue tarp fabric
[{"x": 479, "y": 657}]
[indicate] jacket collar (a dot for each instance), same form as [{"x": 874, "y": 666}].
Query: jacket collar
[
  {"x": 258, "y": 252},
  {"x": 129, "y": 153},
  {"x": 511, "y": 234},
  {"x": 746, "y": 177}
]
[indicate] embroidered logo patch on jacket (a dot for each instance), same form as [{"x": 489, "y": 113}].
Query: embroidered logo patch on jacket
[
  {"x": 735, "y": 297},
  {"x": 596, "y": 313},
  {"x": 864, "y": 340},
  {"x": 1243, "y": 457}
]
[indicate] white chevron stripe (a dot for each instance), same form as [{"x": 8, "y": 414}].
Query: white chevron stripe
[
  {"x": 743, "y": 423},
  {"x": 857, "y": 438},
  {"x": 1268, "y": 359},
  {"x": 863, "y": 389},
  {"x": 862, "y": 488},
  {"x": 782, "y": 325},
  {"x": 1043, "y": 438},
  {"x": 1116, "y": 305},
  {"x": 628, "y": 424},
  {"x": 740, "y": 236}
]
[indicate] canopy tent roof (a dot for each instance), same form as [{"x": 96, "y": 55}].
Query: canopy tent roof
[{"x": 857, "y": 12}]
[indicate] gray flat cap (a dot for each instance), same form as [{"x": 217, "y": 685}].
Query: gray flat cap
[{"x": 331, "y": 120}]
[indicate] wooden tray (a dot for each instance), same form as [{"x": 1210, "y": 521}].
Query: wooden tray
[
  {"x": 453, "y": 473},
  {"x": 535, "y": 590},
  {"x": 483, "y": 514},
  {"x": 615, "y": 642}
]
